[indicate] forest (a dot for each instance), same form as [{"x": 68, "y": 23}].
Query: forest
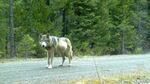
[{"x": 95, "y": 27}]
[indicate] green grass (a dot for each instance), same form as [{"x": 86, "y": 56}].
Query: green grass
[{"x": 7, "y": 60}]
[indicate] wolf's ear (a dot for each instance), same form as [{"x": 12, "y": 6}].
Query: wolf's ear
[
  {"x": 47, "y": 35},
  {"x": 40, "y": 35}
]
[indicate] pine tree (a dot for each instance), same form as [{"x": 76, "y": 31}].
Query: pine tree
[{"x": 84, "y": 22}]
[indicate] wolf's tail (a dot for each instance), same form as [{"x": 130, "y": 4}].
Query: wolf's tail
[{"x": 69, "y": 47}]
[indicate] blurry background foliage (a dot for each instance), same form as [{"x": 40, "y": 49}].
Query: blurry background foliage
[{"x": 109, "y": 26}]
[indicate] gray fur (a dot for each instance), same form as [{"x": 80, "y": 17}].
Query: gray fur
[{"x": 56, "y": 45}]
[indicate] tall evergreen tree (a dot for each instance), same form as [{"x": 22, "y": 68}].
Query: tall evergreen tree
[
  {"x": 84, "y": 22},
  {"x": 4, "y": 13}
]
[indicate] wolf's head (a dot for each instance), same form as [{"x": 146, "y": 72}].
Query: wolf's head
[{"x": 44, "y": 39}]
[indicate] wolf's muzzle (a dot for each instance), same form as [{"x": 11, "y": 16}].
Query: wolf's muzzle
[{"x": 43, "y": 44}]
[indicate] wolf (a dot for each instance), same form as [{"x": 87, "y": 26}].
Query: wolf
[{"x": 56, "y": 46}]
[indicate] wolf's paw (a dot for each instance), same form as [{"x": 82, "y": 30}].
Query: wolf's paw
[{"x": 50, "y": 66}]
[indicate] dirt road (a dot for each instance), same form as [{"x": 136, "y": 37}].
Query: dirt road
[{"x": 35, "y": 71}]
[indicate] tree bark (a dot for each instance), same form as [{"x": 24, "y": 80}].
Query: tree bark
[
  {"x": 11, "y": 31},
  {"x": 64, "y": 30}
]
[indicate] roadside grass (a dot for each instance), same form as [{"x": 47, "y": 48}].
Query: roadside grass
[
  {"x": 136, "y": 77},
  {"x": 8, "y": 60}
]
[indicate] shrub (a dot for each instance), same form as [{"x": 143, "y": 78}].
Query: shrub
[{"x": 26, "y": 46}]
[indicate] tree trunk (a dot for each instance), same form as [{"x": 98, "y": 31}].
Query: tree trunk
[
  {"x": 11, "y": 31},
  {"x": 122, "y": 43},
  {"x": 64, "y": 30}
]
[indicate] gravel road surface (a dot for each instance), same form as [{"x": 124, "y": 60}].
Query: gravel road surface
[{"x": 34, "y": 71}]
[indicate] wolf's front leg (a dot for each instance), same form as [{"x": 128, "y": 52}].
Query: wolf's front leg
[
  {"x": 49, "y": 63},
  {"x": 50, "y": 58}
]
